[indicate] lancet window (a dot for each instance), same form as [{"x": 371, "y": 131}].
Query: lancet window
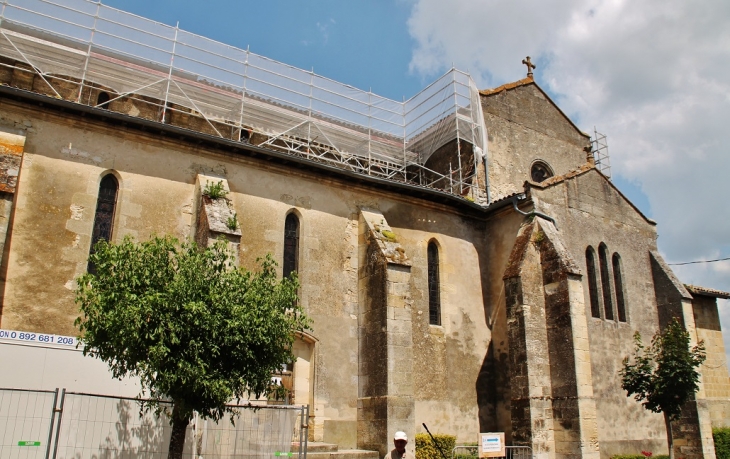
[
  {"x": 434, "y": 290},
  {"x": 593, "y": 282},
  {"x": 605, "y": 282},
  {"x": 291, "y": 244},
  {"x": 104, "y": 217},
  {"x": 618, "y": 284}
]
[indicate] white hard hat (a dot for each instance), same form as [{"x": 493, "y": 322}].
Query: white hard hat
[{"x": 400, "y": 435}]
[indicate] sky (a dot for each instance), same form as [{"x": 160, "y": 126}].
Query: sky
[{"x": 653, "y": 76}]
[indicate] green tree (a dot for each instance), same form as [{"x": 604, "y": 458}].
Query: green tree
[
  {"x": 194, "y": 329},
  {"x": 664, "y": 376}
]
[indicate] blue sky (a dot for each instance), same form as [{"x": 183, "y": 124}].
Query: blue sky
[
  {"x": 364, "y": 43},
  {"x": 652, "y": 76}
]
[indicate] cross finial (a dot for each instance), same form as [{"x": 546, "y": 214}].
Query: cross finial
[{"x": 529, "y": 65}]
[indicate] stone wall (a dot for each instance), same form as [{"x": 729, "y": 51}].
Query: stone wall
[
  {"x": 523, "y": 125},
  {"x": 589, "y": 211},
  {"x": 58, "y": 185},
  {"x": 714, "y": 371}
]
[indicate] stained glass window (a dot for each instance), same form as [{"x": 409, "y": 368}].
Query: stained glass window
[
  {"x": 104, "y": 216},
  {"x": 291, "y": 244},
  {"x": 434, "y": 292}
]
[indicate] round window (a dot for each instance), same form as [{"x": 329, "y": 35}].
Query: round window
[{"x": 540, "y": 172}]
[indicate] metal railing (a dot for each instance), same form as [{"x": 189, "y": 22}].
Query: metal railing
[
  {"x": 88, "y": 45},
  {"x": 68, "y": 425},
  {"x": 472, "y": 452}
]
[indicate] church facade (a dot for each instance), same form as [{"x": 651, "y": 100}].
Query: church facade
[{"x": 490, "y": 282}]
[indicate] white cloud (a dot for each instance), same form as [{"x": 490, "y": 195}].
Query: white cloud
[{"x": 652, "y": 75}]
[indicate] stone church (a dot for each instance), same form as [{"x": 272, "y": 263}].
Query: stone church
[{"x": 466, "y": 261}]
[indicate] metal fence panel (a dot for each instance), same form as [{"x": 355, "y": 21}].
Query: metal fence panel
[
  {"x": 511, "y": 452},
  {"x": 95, "y": 427},
  {"x": 25, "y": 423},
  {"x": 254, "y": 434},
  {"x": 89, "y": 426}
]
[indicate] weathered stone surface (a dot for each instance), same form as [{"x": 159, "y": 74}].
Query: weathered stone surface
[{"x": 517, "y": 349}]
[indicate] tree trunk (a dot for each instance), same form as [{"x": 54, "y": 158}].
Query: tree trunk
[
  {"x": 177, "y": 438},
  {"x": 670, "y": 439}
]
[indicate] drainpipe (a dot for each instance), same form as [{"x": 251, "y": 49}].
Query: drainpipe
[{"x": 533, "y": 213}]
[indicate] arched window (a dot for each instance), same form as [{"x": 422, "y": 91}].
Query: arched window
[
  {"x": 605, "y": 282},
  {"x": 593, "y": 282},
  {"x": 104, "y": 216},
  {"x": 618, "y": 284},
  {"x": 434, "y": 291},
  {"x": 102, "y": 101},
  {"x": 291, "y": 244}
]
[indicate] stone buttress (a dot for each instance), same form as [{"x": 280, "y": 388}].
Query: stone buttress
[
  {"x": 552, "y": 404},
  {"x": 385, "y": 394},
  {"x": 214, "y": 217},
  {"x": 11, "y": 156},
  {"x": 692, "y": 432}
]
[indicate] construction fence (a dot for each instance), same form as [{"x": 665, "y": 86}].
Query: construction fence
[
  {"x": 41, "y": 424},
  {"x": 510, "y": 452}
]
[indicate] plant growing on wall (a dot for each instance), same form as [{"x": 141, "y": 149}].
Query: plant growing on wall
[
  {"x": 664, "y": 376},
  {"x": 214, "y": 190},
  {"x": 389, "y": 235},
  {"x": 232, "y": 222},
  {"x": 194, "y": 329}
]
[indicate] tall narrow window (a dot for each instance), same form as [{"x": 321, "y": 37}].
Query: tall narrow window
[
  {"x": 605, "y": 281},
  {"x": 102, "y": 101},
  {"x": 593, "y": 282},
  {"x": 104, "y": 216},
  {"x": 434, "y": 292},
  {"x": 618, "y": 284},
  {"x": 291, "y": 244}
]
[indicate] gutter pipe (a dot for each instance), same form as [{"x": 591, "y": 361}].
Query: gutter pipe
[{"x": 533, "y": 213}]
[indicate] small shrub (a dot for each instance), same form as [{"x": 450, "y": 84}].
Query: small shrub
[
  {"x": 214, "y": 190},
  {"x": 425, "y": 449},
  {"x": 639, "y": 456},
  {"x": 232, "y": 222},
  {"x": 464, "y": 456},
  {"x": 721, "y": 435}
]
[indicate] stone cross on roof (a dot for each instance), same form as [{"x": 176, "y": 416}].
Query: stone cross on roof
[{"x": 529, "y": 65}]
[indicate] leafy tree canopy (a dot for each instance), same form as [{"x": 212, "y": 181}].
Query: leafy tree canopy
[
  {"x": 193, "y": 328},
  {"x": 664, "y": 376}
]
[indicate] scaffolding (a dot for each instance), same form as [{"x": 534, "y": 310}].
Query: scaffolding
[
  {"x": 240, "y": 95},
  {"x": 599, "y": 147}
]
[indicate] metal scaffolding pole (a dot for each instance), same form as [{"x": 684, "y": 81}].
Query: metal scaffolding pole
[
  {"x": 169, "y": 75},
  {"x": 88, "y": 52}
]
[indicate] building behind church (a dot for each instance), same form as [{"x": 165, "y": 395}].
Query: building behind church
[{"x": 464, "y": 259}]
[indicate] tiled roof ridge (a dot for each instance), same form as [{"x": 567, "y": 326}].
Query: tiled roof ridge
[
  {"x": 561, "y": 178},
  {"x": 504, "y": 87},
  {"x": 583, "y": 169},
  {"x": 696, "y": 289}
]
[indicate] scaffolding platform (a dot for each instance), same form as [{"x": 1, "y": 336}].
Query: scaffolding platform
[{"x": 80, "y": 49}]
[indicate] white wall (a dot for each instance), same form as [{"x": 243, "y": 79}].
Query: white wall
[{"x": 32, "y": 364}]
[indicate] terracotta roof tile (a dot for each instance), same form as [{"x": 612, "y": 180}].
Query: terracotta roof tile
[
  {"x": 697, "y": 290},
  {"x": 504, "y": 87}
]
